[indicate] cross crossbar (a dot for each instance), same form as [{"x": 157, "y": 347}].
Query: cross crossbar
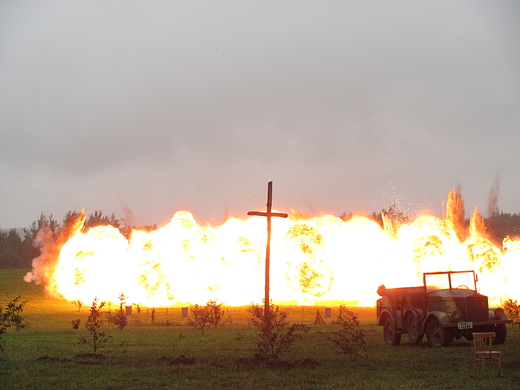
[{"x": 264, "y": 214}]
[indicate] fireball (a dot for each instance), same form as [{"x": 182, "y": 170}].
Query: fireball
[{"x": 313, "y": 259}]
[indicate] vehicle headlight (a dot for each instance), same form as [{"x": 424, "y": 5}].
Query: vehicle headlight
[
  {"x": 499, "y": 312},
  {"x": 457, "y": 315}
]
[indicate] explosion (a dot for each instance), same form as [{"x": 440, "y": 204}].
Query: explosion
[{"x": 313, "y": 260}]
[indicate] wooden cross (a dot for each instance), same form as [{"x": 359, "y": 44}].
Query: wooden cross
[{"x": 268, "y": 214}]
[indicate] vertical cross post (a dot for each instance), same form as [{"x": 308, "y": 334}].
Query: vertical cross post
[{"x": 268, "y": 214}]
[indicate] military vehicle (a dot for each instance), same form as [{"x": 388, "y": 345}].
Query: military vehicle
[{"x": 447, "y": 306}]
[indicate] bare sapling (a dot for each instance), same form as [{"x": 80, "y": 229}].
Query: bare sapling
[
  {"x": 97, "y": 339},
  {"x": 137, "y": 309},
  {"x": 119, "y": 319},
  {"x": 78, "y": 303}
]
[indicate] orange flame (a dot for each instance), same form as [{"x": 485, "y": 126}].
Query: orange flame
[{"x": 313, "y": 260}]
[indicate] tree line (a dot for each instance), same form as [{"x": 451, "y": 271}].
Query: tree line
[
  {"x": 18, "y": 251},
  {"x": 498, "y": 226}
]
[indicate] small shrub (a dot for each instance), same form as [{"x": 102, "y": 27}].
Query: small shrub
[
  {"x": 11, "y": 316},
  {"x": 206, "y": 316},
  {"x": 97, "y": 339},
  {"x": 119, "y": 318},
  {"x": 275, "y": 336},
  {"x": 512, "y": 309},
  {"x": 350, "y": 339}
]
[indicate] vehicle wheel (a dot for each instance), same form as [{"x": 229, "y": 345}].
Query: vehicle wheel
[
  {"x": 392, "y": 337},
  {"x": 501, "y": 331},
  {"x": 437, "y": 335},
  {"x": 414, "y": 329}
]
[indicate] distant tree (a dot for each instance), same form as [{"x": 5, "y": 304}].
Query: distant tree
[
  {"x": 501, "y": 225},
  {"x": 145, "y": 228},
  {"x": 346, "y": 217},
  {"x": 11, "y": 250},
  {"x": 97, "y": 218},
  {"x": 42, "y": 221},
  {"x": 392, "y": 213},
  {"x": 70, "y": 214},
  {"x": 28, "y": 253},
  {"x": 30, "y": 248}
]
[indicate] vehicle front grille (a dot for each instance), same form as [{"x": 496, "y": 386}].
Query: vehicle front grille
[{"x": 477, "y": 308}]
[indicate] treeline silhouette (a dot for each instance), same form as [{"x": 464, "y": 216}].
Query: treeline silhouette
[{"x": 18, "y": 250}]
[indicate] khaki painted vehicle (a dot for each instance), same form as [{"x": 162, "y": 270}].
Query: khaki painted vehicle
[{"x": 446, "y": 307}]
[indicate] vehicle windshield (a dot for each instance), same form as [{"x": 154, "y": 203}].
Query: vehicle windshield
[
  {"x": 465, "y": 280},
  {"x": 460, "y": 280}
]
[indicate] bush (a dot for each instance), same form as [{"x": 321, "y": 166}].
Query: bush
[
  {"x": 350, "y": 339},
  {"x": 512, "y": 309},
  {"x": 11, "y": 315},
  {"x": 275, "y": 336},
  {"x": 119, "y": 318},
  {"x": 206, "y": 316}
]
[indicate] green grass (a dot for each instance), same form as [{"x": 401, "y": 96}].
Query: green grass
[{"x": 44, "y": 356}]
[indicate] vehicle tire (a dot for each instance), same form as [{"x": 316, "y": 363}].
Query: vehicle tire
[
  {"x": 437, "y": 335},
  {"x": 392, "y": 337},
  {"x": 413, "y": 326},
  {"x": 501, "y": 331}
]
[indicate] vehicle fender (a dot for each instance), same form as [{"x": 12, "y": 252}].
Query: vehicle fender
[
  {"x": 418, "y": 312},
  {"x": 412, "y": 312},
  {"x": 384, "y": 315},
  {"x": 440, "y": 316}
]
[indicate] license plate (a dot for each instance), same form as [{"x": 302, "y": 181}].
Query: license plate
[{"x": 465, "y": 325}]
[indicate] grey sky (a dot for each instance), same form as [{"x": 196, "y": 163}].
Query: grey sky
[{"x": 344, "y": 105}]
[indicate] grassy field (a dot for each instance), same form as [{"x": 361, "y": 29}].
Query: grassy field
[{"x": 146, "y": 356}]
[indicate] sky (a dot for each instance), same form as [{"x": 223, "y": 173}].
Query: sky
[{"x": 347, "y": 106}]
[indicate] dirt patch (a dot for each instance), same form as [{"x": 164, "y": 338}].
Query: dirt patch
[
  {"x": 52, "y": 359},
  {"x": 176, "y": 361},
  {"x": 281, "y": 364},
  {"x": 89, "y": 358}
]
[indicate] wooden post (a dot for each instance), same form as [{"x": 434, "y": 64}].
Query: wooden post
[{"x": 268, "y": 214}]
